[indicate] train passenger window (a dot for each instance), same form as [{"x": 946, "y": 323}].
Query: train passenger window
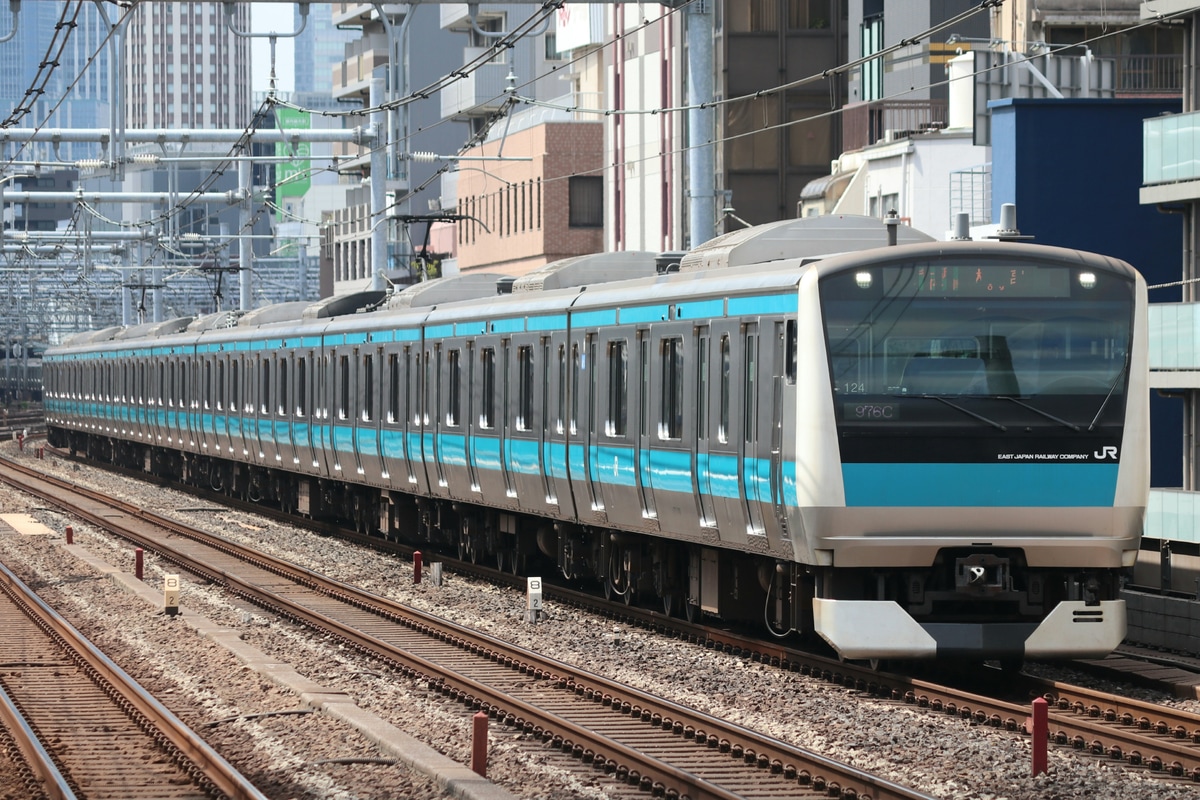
[
  {"x": 301, "y": 386},
  {"x": 618, "y": 392},
  {"x": 723, "y": 411},
  {"x": 264, "y": 386},
  {"x": 368, "y": 388},
  {"x": 343, "y": 387},
  {"x": 525, "y": 388},
  {"x": 671, "y": 423},
  {"x": 393, "y": 387},
  {"x": 561, "y": 409},
  {"x": 282, "y": 405},
  {"x": 487, "y": 366},
  {"x": 750, "y": 401},
  {"x": 453, "y": 391}
]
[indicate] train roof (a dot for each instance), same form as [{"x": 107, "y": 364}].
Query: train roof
[
  {"x": 447, "y": 289},
  {"x": 810, "y": 237},
  {"x": 588, "y": 270}
]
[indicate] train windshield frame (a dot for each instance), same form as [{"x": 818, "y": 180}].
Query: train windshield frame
[{"x": 973, "y": 331}]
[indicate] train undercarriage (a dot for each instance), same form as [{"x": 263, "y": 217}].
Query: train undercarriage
[{"x": 975, "y": 591}]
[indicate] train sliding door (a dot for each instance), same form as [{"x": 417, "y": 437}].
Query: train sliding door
[{"x": 720, "y": 459}]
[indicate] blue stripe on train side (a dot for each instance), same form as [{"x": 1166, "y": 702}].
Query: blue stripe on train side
[{"x": 1004, "y": 485}]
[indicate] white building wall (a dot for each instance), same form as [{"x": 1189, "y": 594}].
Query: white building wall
[{"x": 914, "y": 175}]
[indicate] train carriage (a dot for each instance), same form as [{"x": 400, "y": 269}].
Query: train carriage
[{"x": 932, "y": 449}]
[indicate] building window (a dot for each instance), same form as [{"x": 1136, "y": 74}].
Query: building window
[
  {"x": 871, "y": 38},
  {"x": 586, "y": 201}
]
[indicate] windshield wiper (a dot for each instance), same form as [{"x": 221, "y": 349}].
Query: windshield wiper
[
  {"x": 957, "y": 407},
  {"x": 1045, "y": 414},
  {"x": 1111, "y": 389}
]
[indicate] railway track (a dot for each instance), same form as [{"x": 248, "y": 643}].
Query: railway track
[
  {"x": 83, "y": 727},
  {"x": 639, "y": 739}
]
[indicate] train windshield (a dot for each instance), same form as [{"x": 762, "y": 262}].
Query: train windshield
[{"x": 979, "y": 330}]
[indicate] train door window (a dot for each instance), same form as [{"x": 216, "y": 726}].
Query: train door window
[
  {"x": 453, "y": 388},
  {"x": 702, "y": 387},
  {"x": 723, "y": 410},
  {"x": 593, "y": 410},
  {"x": 221, "y": 386},
  {"x": 125, "y": 383},
  {"x": 301, "y": 386},
  {"x": 644, "y": 386},
  {"x": 343, "y": 387},
  {"x": 789, "y": 349},
  {"x": 618, "y": 391},
  {"x": 235, "y": 387},
  {"x": 171, "y": 375},
  {"x": 368, "y": 388},
  {"x": 525, "y": 388},
  {"x": 561, "y": 406},
  {"x": 208, "y": 384},
  {"x": 282, "y": 406},
  {"x": 505, "y": 371},
  {"x": 671, "y": 425},
  {"x": 577, "y": 366},
  {"x": 470, "y": 382},
  {"x": 487, "y": 368},
  {"x": 393, "y": 387},
  {"x": 429, "y": 385},
  {"x": 184, "y": 383},
  {"x": 750, "y": 400},
  {"x": 409, "y": 409}
]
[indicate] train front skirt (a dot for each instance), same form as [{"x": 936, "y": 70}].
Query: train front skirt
[{"x": 868, "y": 629}]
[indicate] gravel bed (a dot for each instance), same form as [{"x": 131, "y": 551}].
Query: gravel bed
[{"x": 944, "y": 756}]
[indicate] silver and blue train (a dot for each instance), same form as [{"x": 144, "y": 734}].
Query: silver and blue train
[{"x": 932, "y": 449}]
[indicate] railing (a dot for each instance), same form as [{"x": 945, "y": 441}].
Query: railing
[
  {"x": 867, "y": 123},
  {"x": 1149, "y": 74}
]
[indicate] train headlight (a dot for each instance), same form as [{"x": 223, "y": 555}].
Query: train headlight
[
  {"x": 1087, "y": 280},
  {"x": 863, "y": 279}
]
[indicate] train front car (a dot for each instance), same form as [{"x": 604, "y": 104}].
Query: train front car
[{"x": 977, "y": 476}]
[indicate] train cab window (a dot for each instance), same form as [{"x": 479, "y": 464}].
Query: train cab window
[
  {"x": 393, "y": 387},
  {"x": 301, "y": 386},
  {"x": 487, "y": 369},
  {"x": 618, "y": 389},
  {"x": 525, "y": 388},
  {"x": 281, "y": 407},
  {"x": 453, "y": 388},
  {"x": 368, "y": 388},
  {"x": 343, "y": 387},
  {"x": 723, "y": 409}
]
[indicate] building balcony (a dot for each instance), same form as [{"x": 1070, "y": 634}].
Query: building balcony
[
  {"x": 479, "y": 93},
  {"x": 352, "y": 77},
  {"x": 356, "y": 15},
  {"x": 1171, "y": 158},
  {"x": 865, "y": 124},
  {"x": 1175, "y": 345}
]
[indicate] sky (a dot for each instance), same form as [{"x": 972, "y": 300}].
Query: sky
[{"x": 272, "y": 18}]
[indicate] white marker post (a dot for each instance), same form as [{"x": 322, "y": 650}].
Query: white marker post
[
  {"x": 171, "y": 595},
  {"x": 533, "y": 599}
]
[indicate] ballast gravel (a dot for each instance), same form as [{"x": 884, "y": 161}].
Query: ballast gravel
[{"x": 302, "y": 756}]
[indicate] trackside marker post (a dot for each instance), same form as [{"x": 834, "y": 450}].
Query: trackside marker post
[
  {"x": 416, "y": 567},
  {"x": 171, "y": 595},
  {"x": 137, "y": 563},
  {"x": 1040, "y": 732},
  {"x": 533, "y": 599},
  {"x": 70, "y": 535},
  {"x": 479, "y": 743}
]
